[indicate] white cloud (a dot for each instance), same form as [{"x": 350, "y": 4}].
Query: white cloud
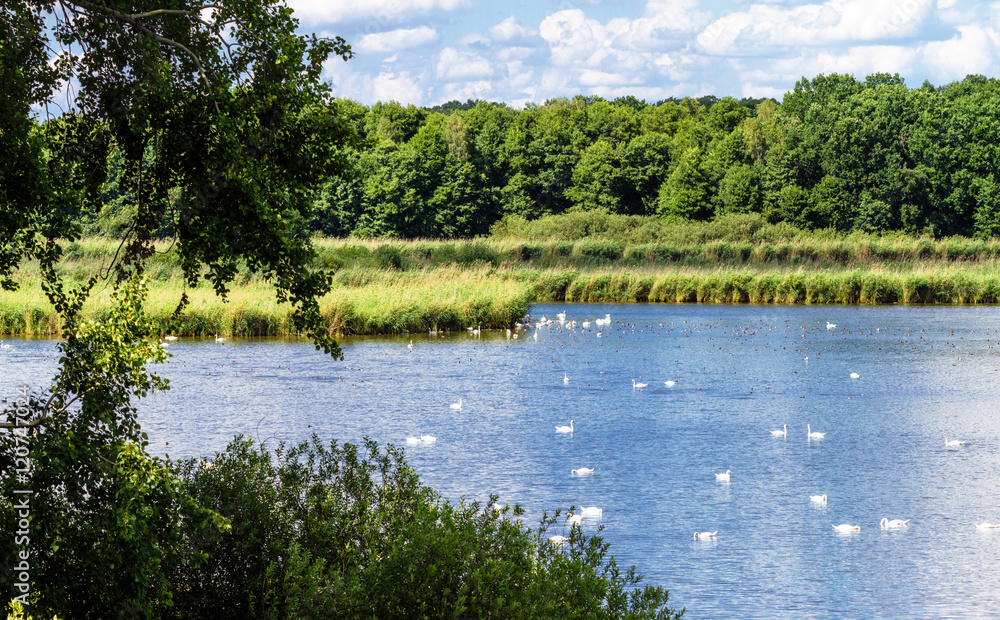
[
  {"x": 973, "y": 50},
  {"x": 379, "y": 11},
  {"x": 387, "y": 85},
  {"x": 397, "y": 39},
  {"x": 455, "y": 65},
  {"x": 763, "y": 27},
  {"x": 510, "y": 29}
]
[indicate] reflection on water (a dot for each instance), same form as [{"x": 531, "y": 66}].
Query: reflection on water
[{"x": 739, "y": 372}]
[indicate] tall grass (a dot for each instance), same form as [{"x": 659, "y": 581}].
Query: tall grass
[{"x": 383, "y": 286}]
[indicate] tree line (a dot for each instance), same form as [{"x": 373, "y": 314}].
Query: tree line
[
  {"x": 839, "y": 153},
  {"x": 866, "y": 155}
]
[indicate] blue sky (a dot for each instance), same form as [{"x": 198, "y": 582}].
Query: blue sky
[{"x": 427, "y": 52}]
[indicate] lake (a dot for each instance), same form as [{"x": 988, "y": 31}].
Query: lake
[{"x": 739, "y": 372}]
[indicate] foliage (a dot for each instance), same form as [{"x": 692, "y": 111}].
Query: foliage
[
  {"x": 349, "y": 532},
  {"x": 105, "y": 517},
  {"x": 213, "y": 122}
]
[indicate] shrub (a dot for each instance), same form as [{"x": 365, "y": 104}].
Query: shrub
[
  {"x": 596, "y": 248},
  {"x": 389, "y": 257},
  {"x": 349, "y": 532}
]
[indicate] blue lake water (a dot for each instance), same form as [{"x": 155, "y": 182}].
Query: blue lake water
[{"x": 740, "y": 372}]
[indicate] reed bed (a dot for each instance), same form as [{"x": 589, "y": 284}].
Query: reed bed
[{"x": 386, "y": 286}]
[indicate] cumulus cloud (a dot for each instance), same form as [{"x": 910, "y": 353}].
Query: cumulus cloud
[
  {"x": 973, "y": 50},
  {"x": 397, "y": 39},
  {"x": 764, "y": 27},
  {"x": 456, "y": 65},
  {"x": 383, "y": 11},
  {"x": 509, "y": 29}
]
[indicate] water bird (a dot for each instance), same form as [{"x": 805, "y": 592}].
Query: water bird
[
  {"x": 582, "y": 471},
  {"x": 410, "y": 346},
  {"x": 987, "y": 526},
  {"x": 670, "y": 383},
  {"x": 514, "y": 336},
  {"x": 887, "y": 523},
  {"x": 953, "y": 443},
  {"x": 813, "y": 435},
  {"x": 565, "y": 378},
  {"x": 585, "y": 324},
  {"x": 638, "y": 386},
  {"x": 508, "y": 333},
  {"x": 705, "y": 535},
  {"x": 783, "y": 433},
  {"x": 217, "y": 339},
  {"x": 844, "y": 527},
  {"x": 819, "y": 499},
  {"x": 592, "y": 513},
  {"x": 428, "y": 440},
  {"x": 723, "y": 477},
  {"x": 4, "y": 345},
  {"x": 855, "y": 375},
  {"x": 599, "y": 334},
  {"x": 830, "y": 325},
  {"x": 574, "y": 519},
  {"x": 536, "y": 336},
  {"x": 565, "y": 429},
  {"x": 413, "y": 441},
  {"x": 170, "y": 337},
  {"x": 558, "y": 540},
  {"x": 457, "y": 405}
]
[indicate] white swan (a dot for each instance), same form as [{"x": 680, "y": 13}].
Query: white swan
[
  {"x": 783, "y": 433},
  {"x": 428, "y": 439},
  {"x": 170, "y": 337},
  {"x": 723, "y": 477},
  {"x": 217, "y": 339},
  {"x": 819, "y": 499},
  {"x": 4, "y": 345},
  {"x": 574, "y": 519},
  {"x": 705, "y": 535},
  {"x": 582, "y": 471},
  {"x": 592, "y": 513},
  {"x": 413, "y": 441},
  {"x": 565, "y": 429},
  {"x": 855, "y": 375},
  {"x": 830, "y": 325},
  {"x": 497, "y": 507},
  {"x": 670, "y": 383},
  {"x": 953, "y": 443},
  {"x": 844, "y": 527},
  {"x": 457, "y": 405},
  {"x": 812, "y": 435},
  {"x": 987, "y": 526},
  {"x": 565, "y": 378},
  {"x": 638, "y": 386},
  {"x": 558, "y": 540},
  {"x": 886, "y": 523},
  {"x": 410, "y": 346},
  {"x": 585, "y": 324}
]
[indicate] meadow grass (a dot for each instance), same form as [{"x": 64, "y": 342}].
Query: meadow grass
[{"x": 390, "y": 286}]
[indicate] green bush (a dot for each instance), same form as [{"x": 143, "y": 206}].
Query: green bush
[
  {"x": 597, "y": 248},
  {"x": 349, "y": 532},
  {"x": 476, "y": 254},
  {"x": 389, "y": 257}
]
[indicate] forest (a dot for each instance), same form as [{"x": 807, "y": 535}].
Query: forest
[{"x": 871, "y": 156}]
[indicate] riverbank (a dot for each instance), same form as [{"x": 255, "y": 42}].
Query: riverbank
[{"x": 397, "y": 287}]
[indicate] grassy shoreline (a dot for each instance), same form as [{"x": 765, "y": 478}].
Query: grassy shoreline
[{"x": 388, "y": 287}]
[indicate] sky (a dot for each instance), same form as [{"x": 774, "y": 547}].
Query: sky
[{"x": 427, "y": 52}]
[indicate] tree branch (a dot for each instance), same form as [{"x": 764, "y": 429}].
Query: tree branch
[{"x": 129, "y": 19}]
